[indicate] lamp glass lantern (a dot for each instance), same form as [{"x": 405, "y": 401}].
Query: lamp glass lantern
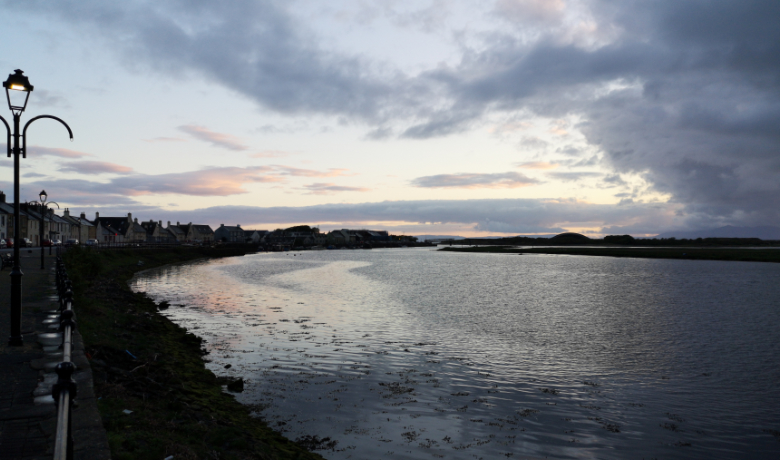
[
  {"x": 17, "y": 91},
  {"x": 43, "y": 196}
]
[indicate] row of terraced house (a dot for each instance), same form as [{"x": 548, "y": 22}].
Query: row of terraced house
[
  {"x": 106, "y": 230},
  {"x": 126, "y": 229}
]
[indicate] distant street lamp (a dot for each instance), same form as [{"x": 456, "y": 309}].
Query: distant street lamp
[
  {"x": 17, "y": 90},
  {"x": 44, "y": 213}
]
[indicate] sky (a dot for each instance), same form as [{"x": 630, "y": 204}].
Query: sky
[{"x": 469, "y": 118}]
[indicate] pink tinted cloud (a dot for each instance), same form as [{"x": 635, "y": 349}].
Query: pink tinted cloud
[
  {"x": 95, "y": 167},
  {"x": 54, "y": 152},
  {"x": 472, "y": 180},
  {"x": 537, "y": 165},
  {"x": 206, "y": 182},
  {"x": 225, "y": 141},
  {"x": 322, "y": 188}
]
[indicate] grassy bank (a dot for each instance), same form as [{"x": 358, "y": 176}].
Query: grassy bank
[
  {"x": 144, "y": 363},
  {"x": 745, "y": 255}
]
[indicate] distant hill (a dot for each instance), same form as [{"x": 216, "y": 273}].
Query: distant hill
[
  {"x": 550, "y": 235},
  {"x": 765, "y": 232}
]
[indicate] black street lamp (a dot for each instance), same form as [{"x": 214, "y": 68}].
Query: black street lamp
[
  {"x": 17, "y": 90},
  {"x": 44, "y": 206}
]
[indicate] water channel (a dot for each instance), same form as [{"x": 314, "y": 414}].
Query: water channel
[{"x": 419, "y": 354}]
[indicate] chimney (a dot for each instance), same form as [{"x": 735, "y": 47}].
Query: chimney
[
  {"x": 160, "y": 224},
  {"x": 83, "y": 216},
  {"x": 2, "y": 197},
  {"x": 177, "y": 223},
  {"x": 129, "y": 217},
  {"x": 97, "y": 215},
  {"x": 66, "y": 213},
  {"x": 169, "y": 223},
  {"x": 136, "y": 220},
  {"x": 221, "y": 225}
]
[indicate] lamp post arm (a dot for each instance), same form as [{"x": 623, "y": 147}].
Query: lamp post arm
[
  {"x": 24, "y": 131},
  {"x": 8, "y": 130}
]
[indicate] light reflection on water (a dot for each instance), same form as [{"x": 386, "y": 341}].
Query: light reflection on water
[{"x": 415, "y": 353}]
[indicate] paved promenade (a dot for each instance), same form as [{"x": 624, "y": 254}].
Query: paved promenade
[{"x": 27, "y": 414}]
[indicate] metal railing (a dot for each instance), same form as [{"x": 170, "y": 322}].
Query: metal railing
[{"x": 64, "y": 391}]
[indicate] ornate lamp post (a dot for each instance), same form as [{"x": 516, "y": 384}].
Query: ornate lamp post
[
  {"x": 44, "y": 213},
  {"x": 17, "y": 90}
]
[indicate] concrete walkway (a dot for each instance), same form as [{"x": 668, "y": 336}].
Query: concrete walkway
[{"x": 27, "y": 411}]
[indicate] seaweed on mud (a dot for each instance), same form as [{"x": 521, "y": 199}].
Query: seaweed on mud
[
  {"x": 613, "y": 427},
  {"x": 312, "y": 443},
  {"x": 410, "y": 436},
  {"x": 396, "y": 389},
  {"x": 584, "y": 406}
]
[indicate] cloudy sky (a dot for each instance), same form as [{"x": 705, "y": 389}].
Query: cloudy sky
[{"x": 439, "y": 117}]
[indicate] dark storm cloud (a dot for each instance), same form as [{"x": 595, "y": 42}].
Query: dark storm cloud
[
  {"x": 704, "y": 126},
  {"x": 686, "y": 93},
  {"x": 253, "y": 47}
]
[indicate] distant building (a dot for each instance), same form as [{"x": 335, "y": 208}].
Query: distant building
[
  {"x": 80, "y": 228},
  {"x": 156, "y": 233},
  {"x": 177, "y": 232},
  {"x": 119, "y": 229},
  {"x": 254, "y": 236},
  {"x": 197, "y": 233},
  {"x": 228, "y": 234},
  {"x": 6, "y": 217}
]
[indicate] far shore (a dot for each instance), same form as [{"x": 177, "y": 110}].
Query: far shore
[{"x": 728, "y": 254}]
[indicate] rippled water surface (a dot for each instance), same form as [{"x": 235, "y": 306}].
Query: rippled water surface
[{"x": 413, "y": 353}]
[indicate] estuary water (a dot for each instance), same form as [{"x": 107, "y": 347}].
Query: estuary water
[{"x": 419, "y": 354}]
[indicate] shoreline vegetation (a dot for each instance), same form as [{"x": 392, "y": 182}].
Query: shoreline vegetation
[
  {"x": 683, "y": 252},
  {"x": 156, "y": 397}
]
